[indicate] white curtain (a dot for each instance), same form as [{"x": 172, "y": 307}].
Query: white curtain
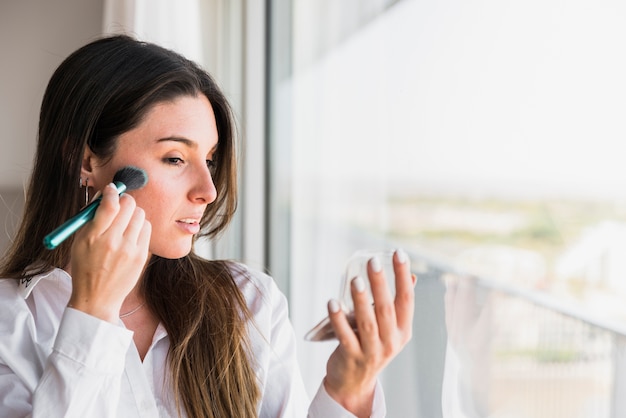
[{"x": 174, "y": 25}]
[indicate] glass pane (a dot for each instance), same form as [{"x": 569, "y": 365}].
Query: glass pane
[{"x": 484, "y": 138}]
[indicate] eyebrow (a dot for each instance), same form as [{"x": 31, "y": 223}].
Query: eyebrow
[{"x": 187, "y": 142}]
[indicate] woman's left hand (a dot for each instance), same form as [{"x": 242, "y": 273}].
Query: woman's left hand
[{"x": 383, "y": 330}]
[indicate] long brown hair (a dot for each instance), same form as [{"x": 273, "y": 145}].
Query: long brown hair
[{"x": 99, "y": 92}]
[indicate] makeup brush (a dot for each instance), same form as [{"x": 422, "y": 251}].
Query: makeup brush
[{"x": 126, "y": 179}]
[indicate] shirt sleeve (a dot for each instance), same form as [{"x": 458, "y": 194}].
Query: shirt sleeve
[
  {"x": 82, "y": 375},
  {"x": 325, "y": 406}
]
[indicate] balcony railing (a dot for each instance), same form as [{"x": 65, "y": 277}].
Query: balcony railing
[{"x": 518, "y": 352}]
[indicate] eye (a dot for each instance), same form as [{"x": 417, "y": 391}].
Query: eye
[
  {"x": 173, "y": 160},
  {"x": 212, "y": 166}
]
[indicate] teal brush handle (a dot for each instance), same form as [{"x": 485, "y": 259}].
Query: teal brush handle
[{"x": 56, "y": 237}]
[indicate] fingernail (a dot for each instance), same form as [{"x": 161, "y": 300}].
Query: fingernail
[
  {"x": 359, "y": 284},
  {"x": 333, "y": 306},
  {"x": 402, "y": 257},
  {"x": 376, "y": 264}
]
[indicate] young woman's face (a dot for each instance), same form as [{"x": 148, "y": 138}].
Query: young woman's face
[{"x": 174, "y": 144}]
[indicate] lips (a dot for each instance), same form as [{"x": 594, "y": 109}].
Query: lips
[
  {"x": 189, "y": 225},
  {"x": 188, "y": 221}
]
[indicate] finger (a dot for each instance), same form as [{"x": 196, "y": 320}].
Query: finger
[
  {"x": 107, "y": 211},
  {"x": 127, "y": 209},
  {"x": 343, "y": 330},
  {"x": 404, "y": 300},
  {"x": 135, "y": 225},
  {"x": 143, "y": 241},
  {"x": 383, "y": 302},
  {"x": 364, "y": 316}
]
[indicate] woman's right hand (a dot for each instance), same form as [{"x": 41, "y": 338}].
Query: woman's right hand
[{"x": 109, "y": 255}]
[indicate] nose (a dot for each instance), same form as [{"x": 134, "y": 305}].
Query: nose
[{"x": 203, "y": 189}]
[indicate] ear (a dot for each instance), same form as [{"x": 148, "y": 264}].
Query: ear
[
  {"x": 93, "y": 171},
  {"x": 87, "y": 166}
]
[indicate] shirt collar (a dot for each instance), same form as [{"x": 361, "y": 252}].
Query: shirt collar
[{"x": 26, "y": 285}]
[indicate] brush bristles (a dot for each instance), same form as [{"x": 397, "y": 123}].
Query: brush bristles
[{"x": 133, "y": 177}]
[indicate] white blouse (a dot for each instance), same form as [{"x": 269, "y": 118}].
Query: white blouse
[{"x": 60, "y": 362}]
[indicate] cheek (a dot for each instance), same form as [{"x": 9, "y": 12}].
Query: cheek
[
  {"x": 159, "y": 207},
  {"x": 160, "y": 217},
  {"x": 152, "y": 199}
]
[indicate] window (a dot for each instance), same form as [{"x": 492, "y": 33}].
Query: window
[{"x": 484, "y": 139}]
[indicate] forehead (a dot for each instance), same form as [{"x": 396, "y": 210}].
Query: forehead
[{"x": 188, "y": 117}]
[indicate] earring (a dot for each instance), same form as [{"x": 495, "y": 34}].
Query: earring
[{"x": 80, "y": 184}]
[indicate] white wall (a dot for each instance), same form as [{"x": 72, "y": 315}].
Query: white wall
[{"x": 35, "y": 36}]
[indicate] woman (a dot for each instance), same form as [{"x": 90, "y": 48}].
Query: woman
[{"x": 123, "y": 319}]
